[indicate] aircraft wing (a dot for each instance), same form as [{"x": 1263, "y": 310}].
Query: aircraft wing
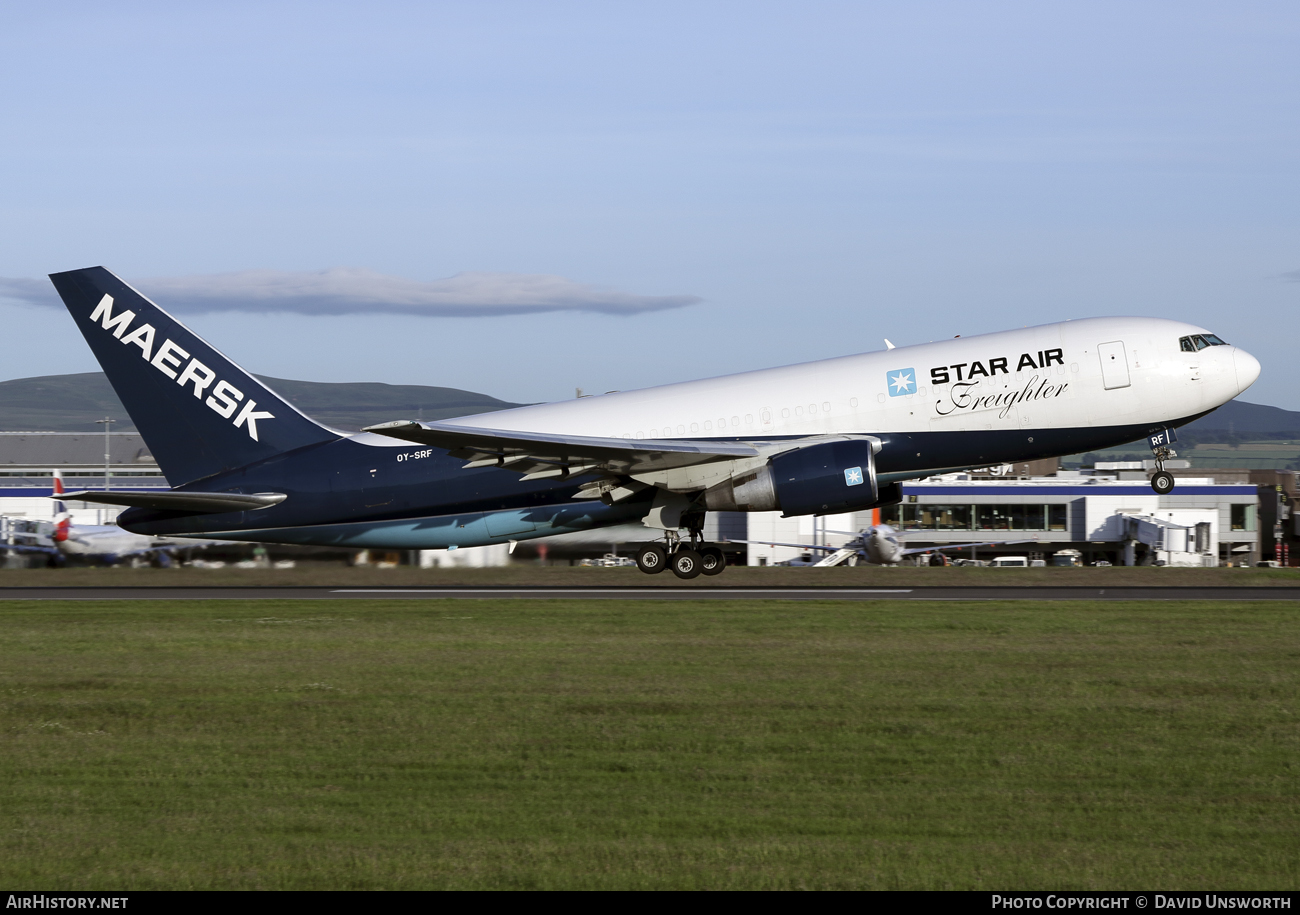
[
  {"x": 540, "y": 455},
  {"x": 27, "y": 548},
  {"x": 796, "y": 546},
  {"x": 909, "y": 552},
  {"x": 961, "y": 546},
  {"x": 156, "y": 548}
]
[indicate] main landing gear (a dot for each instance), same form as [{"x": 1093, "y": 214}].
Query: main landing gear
[{"x": 687, "y": 559}]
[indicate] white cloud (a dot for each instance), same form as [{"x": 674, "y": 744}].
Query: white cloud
[
  {"x": 33, "y": 292},
  {"x": 348, "y": 290}
]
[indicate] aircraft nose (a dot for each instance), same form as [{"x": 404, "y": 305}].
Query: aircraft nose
[{"x": 1247, "y": 368}]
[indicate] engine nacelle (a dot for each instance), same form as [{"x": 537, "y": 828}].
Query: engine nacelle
[{"x": 828, "y": 478}]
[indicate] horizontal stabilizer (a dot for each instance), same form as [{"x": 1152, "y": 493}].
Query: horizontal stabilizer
[
  {"x": 571, "y": 455},
  {"x": 203, "y": 502}
]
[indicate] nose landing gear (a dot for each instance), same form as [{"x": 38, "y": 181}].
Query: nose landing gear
[{"x": 1162, "y": 481}]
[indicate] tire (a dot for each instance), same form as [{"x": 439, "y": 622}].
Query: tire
[
  {"x": 686, "y": 563},
  {"x": 712, "y": 561},
  {"x": 1163, "y": 482},
  {"x": 651, "y": 558}
]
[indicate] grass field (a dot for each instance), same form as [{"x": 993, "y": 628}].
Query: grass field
[
  {"x": 553, "y": 744},
  {"x": 528, "y": 574}
]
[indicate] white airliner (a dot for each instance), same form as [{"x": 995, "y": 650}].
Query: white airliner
[
  {"x": 98, "y": 543},
  {"x": 878, "y": 544},
  {"x": 819, "y": 438}
]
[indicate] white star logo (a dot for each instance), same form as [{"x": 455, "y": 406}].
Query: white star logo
[{"x": 901, "y": 382}]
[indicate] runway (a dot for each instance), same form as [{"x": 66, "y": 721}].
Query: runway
[{"x": 711, "y": 593}]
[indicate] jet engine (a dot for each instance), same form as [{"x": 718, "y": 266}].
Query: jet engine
[{"x": 827, "y": 478}]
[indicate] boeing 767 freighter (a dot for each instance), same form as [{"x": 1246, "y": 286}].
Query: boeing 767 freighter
[{"x": 823, "y": 437}]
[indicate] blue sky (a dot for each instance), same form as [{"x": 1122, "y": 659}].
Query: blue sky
[{"x": 819, "y": 176}]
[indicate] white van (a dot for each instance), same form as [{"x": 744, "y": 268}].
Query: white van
[{"x": 1010, "y": 562}]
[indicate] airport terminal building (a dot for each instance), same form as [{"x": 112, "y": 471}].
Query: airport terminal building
[
  {"x": 1104, "y": 517},
  {"x": 28, "y": 461}
]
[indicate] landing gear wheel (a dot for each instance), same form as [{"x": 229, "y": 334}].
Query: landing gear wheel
[
  {"x": 651, "y": 558},
  {"x": 686, "y": 563},
  {"x": 1162, "y": 482},
  {"x": 712, "y": 561}
]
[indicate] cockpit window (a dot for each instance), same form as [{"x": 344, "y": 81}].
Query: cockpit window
[{"x": 1194, "y": 342}]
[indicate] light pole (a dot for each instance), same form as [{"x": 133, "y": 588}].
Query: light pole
[{"x": 108, "y": 425}]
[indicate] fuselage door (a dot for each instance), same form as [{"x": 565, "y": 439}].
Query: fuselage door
[{"x": 1114, "y": 365}]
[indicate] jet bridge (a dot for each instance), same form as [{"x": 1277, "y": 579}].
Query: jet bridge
[{"x": 1173, "y": 544}]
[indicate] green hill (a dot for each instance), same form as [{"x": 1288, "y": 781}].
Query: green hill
[
  {"x": 1236, "y": 417},
  {"x": 72, "y": 403}
]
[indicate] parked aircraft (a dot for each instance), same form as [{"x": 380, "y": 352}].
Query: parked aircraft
[
  {"x": 825, "y": 437},
  {"x": 96, "y": 543},
  {"x": 878, "y": 544}
]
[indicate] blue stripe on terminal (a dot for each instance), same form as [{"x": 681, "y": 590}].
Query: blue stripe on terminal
[{"x": 1227, "y": 489}]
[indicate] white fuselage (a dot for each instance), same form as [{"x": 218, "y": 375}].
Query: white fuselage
[
  {"x": 1151, "y": 381},
  {"x": 95, "y": 540}
]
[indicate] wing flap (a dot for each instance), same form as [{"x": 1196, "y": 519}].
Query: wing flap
[{"x": 536, "y": 453}]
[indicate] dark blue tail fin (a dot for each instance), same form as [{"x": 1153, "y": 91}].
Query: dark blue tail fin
[{"x": 198, "y": 412}]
